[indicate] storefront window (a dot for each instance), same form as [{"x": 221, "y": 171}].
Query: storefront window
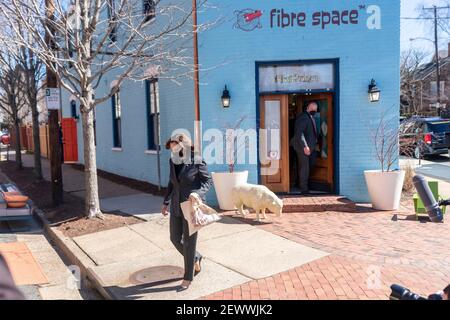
[{"x": 273, "y": 127}]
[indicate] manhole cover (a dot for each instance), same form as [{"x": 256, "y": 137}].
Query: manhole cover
[{"x": 157, "y": 275}]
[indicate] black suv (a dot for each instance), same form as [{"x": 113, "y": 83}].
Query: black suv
[{"x": 421, "y": 137}]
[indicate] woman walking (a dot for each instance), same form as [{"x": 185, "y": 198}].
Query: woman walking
[{"x": 187, "y": 175}]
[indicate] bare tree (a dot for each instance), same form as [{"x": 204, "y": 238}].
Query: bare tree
[
  {"x": 412, "y": 92},
  {"x": 390, "y": 140},
  {"x": 93, "y": 39},
  {"x": 13, "y": 101},
  {"x": 32, "y": 74}
]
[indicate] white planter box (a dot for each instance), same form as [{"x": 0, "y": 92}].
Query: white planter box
[
  {"x": 224, "y": 182},
  {"x": 385, "y": 188}
]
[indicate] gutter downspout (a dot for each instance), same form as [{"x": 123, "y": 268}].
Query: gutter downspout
[{"x": 197, "y": 131}]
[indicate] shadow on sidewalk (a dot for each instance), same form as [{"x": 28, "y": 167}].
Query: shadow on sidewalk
[{"x": 137, "y": 291}]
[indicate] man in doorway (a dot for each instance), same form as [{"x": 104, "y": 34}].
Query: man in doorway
[{"x": 304, "y": 143}]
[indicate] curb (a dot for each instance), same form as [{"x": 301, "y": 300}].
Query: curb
[
  {"x": 71, "y": 251},
  {"x": 74, "y": 255}
]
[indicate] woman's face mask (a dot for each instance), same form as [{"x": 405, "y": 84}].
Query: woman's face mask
[{"x": 177, "y": 148}]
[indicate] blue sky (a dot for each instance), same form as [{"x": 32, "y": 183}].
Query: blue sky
[{"x": 417, "y": 28}]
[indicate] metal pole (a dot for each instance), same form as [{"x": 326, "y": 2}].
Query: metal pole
[
  {"x": 53, "y": 118},
  {"x": 436, "y": 48},
  {"x": 438, "y": 72},
  {"x": 197, "y": 133}
]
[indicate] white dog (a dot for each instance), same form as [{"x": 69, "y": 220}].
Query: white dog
[{"x": 259, "y": 198}]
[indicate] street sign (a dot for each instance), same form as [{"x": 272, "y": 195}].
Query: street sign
[{"x": 52, "y": 98}]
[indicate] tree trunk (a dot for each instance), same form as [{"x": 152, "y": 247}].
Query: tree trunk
[
  {"x": 36, "y": 141},
  {"x": 18, "y": 146},
  {"x": 92, "y": 202}
]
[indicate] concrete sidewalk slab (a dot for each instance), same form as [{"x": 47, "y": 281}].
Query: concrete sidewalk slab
[
  {"x": 157, "y": 230},
  {"x": 61, "y": 291},
  {"x": 115, "y": 278},
  {"x": 223, "y": 228},
  {"x": 24, "y": 268},
  {"x": 140, "y": 205},
  {"x": 115, "y": 245},
  {"x": 258, "y": 254}
]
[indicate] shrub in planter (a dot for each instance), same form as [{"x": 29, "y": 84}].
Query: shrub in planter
[
  {"x": 224, "y": 182},
  {"x": 385, "y": 184}
]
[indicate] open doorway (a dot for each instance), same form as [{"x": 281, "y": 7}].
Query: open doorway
[
  {"x": 279, "y": 166},
  {"x": 321, "y": 178}
]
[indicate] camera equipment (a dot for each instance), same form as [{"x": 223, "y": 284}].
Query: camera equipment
[
  {"x": 402, "y": 293},
  {"x": 430, "y": 203}
]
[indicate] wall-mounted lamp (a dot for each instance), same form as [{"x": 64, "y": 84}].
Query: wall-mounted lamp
[
  {"x": 226, "y": 99},
  {"x": 374, "y": 92}
]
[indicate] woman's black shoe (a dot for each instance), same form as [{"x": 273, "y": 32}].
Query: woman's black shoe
[{"x": 183, "y": 287}]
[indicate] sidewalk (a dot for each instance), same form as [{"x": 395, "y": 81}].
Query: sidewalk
[
  {"x": 307, "y": 255},
  {"x": 128, "y": 262},
  {"x": 432, "y": 171},
  {"x": 133, "y": 262},
  {"x": 36, "y": 264}
]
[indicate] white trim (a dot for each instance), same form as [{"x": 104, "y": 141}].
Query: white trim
[
  {"x": 151, "y": 152},
  {"x": 113, "y": 84},
  {"x": 117, "y": 149},
  {"x": 146, "y": 23}
]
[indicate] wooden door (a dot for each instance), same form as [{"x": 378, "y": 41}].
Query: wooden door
[
  {"x": 69, "y": 139},
  {"x": 322, "y": 176},
  {"x": 274, "y": 142}
]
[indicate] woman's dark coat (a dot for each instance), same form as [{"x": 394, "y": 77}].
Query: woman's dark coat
[{"x": 193, "y": 177}]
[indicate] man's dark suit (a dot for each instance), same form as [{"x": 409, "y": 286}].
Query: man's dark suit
[
  {"x": 305, "y": 136},
  {"x": 189, "y": 177}
]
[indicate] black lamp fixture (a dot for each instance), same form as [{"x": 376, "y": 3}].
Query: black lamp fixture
[
  {"x": 226, "y": 99},
  {"x": 374, "y": 92}
]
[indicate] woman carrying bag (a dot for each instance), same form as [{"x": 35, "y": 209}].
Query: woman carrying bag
[{"x": 188, "y": 175}]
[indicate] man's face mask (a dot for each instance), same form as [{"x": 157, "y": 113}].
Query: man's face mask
[{"x": 312, "y": 113}]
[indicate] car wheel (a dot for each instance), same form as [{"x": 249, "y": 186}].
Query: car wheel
[{"x": 417, "y": 154}]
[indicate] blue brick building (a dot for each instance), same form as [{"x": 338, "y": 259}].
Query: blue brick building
[{"x": 273, "y": 57}]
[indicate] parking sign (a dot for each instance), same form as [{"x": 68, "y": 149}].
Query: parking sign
[{"x": 52, "y": 98}]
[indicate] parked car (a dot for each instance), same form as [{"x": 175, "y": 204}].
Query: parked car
[
  {"x": 422, "y": 137},
  {"x": 5, "y": 138}
]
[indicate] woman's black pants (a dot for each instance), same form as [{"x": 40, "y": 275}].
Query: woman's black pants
[{"x": 185, "y": 244}]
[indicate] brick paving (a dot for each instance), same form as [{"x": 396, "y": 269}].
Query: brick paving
[
  {"x": 317, "y": 204},
  {"x": 369, "y": 251}
]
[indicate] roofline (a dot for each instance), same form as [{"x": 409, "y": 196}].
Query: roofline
[{"x": 434, "y": 70}]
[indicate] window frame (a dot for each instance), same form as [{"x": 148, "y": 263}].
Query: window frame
[
  {"x": 73, "y": 109},
  {"x": 149, "y": 10},
  {"x": 116, "y": 120},
  {"x": 153, "y": 114}
]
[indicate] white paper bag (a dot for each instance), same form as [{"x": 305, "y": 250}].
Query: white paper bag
[{"x": 198, "y": 215}]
